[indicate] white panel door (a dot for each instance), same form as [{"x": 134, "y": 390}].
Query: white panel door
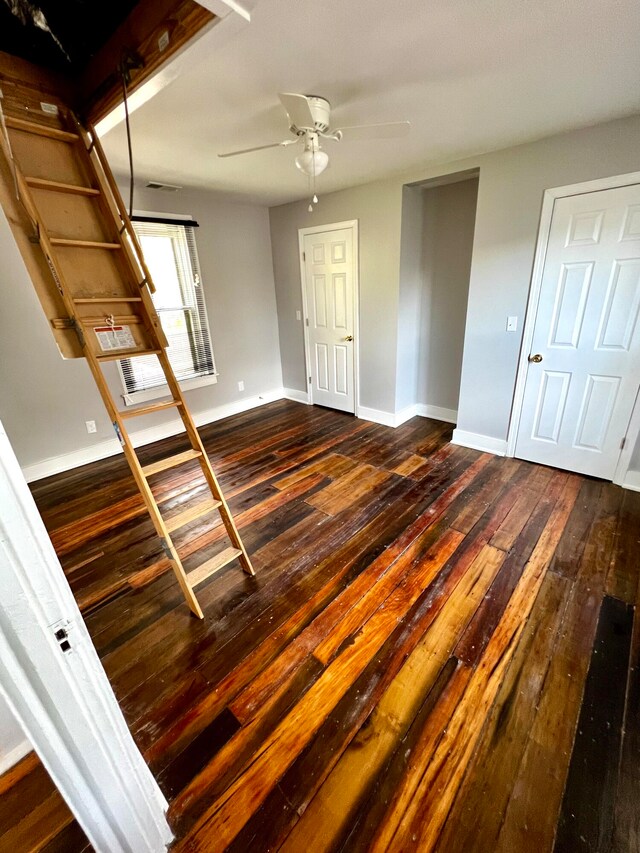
[
  {"x": 584, "y": 365},
  {"x": 329, "y": 292}
]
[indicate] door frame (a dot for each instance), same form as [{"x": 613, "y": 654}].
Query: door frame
[
  {"x": 544, "y": 229},
  {"x": 317, "y": 229},
  {"x": 57, "y": 689}
]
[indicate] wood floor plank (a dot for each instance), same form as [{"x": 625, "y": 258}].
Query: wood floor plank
[
  {"x": 492, "y": 772},
  {"x": 624, "y": 571},
  {"x": 43, "y": 823},
  {"x": 441, "y": 780},
  {"x": 529, "y": 820},
  {"x": 588, "y": 807},
  {"x": 347, "y": 787},
  {"x": 626, "y": 831},
  {"x": 227, "y": 815}
]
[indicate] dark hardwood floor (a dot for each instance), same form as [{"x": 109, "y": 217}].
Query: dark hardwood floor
[{"x": 439, "y": 650}]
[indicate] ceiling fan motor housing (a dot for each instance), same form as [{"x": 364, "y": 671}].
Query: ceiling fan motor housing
[{"x": 321, "y": 112}]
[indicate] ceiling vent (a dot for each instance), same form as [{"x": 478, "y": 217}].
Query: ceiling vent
[{"x": 168, "y": 188}]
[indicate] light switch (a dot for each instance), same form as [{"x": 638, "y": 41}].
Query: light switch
[
  {"x": 512, "y": 324},
  {"x": 298, "y": 316}
]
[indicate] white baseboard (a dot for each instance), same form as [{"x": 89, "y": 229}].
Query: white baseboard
[
  {"x": 377, "y": 416},
  {"x": 438, "y": 413},
  {"x": 486, "y": 443},
  {"x": 110, "y": 447},
  {"x": 14, "y": 756},
  {"x": 632, "y": 481},
  {"x": 296, "y": 396},
  {"x": 396, "y": 419}
]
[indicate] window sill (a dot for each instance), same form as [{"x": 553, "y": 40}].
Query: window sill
[{"x": 163, "y": 390}]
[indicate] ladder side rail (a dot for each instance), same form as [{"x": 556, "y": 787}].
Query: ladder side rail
[
  {"x": 210, "y": 477},
  {"x": 96, "y": 146},
  {"x": 107, "y": 202},
  {"x": 144, "y": 487}
]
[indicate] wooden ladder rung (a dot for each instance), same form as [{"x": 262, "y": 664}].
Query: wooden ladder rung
[
  {"x": 170, "y": 462},
  {"x": 57, "y": 187},
  {"x": 40, "y": 129},
  {"x": 191, "y": 514},
  {"x": 83, "y": 244},
  {"x": 118, "y": 319},
  {"x": 204, "y": 571},
  {"x": 148, "y": 410},
  {"x": 116, "y": 355},
  {"x": 96, "y": 299}
]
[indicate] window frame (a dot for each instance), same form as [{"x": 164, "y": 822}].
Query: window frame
[{"x": 132, "y": 398}]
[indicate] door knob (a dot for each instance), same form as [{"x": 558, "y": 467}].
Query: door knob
[
  {"x": 536, "y": 359},
  {"x": 349, "y": 338}
]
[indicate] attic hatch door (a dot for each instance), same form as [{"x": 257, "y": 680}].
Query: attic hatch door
[{"x": 56, "y": 686}]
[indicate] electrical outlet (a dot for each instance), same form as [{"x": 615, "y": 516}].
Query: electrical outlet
[
  {"x": 241, "y": 385},
  {"x": 512, "y": 324},
  {"x": 91, "y": 426}
]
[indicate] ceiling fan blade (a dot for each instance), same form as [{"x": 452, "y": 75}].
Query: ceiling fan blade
[
  {"x": 387, "y": 130},
  {"x": 298, "y": 109},
  {"x": 282, "y": 144}
]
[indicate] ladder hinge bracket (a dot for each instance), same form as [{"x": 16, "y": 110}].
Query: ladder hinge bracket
[
  {"x": 77, "y": 328},
  {"x": 35, "y": 237},
  {"x": 143, "y": 283},
  {"x": 167, "y": 550},
  {"x": 118, "y": 432}
]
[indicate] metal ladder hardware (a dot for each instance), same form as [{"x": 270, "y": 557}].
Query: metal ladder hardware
[{"x": 60, "y": 176}]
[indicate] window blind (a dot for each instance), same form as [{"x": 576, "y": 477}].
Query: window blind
[{"x": 170, "y": 253}]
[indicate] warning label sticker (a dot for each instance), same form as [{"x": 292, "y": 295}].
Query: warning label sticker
[{"x": 114, "y": 337}]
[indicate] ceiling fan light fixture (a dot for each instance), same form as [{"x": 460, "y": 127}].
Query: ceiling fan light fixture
[{"x": 312, "y": 163}]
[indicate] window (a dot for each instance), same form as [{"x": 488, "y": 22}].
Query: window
[{"x": 170, "y": 253}]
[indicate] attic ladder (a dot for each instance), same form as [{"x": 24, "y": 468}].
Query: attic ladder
[{"x": 59, "y": 173}]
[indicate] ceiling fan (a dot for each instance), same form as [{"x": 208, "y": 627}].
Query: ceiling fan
[{"x": 310, "y": 120}]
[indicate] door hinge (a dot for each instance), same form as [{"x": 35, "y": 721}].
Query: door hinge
[
  {"x": 309, "y": 380},
  {"x": 623, "y": 442},
  {"x": 306, "y": 319},
  {"x": 304, "y": 256}
]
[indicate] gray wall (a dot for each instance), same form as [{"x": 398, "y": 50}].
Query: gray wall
[
  {"x": 448, "y": 221},
  {"x": 377, "y": 207},
  {"x": 512, "y": 183},
  {"x": 411, "y": 298},
  {"x": 510, "y": 192},
  {"x": 45, "y": 400}
]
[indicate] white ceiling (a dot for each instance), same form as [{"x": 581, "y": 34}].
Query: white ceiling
[{"x": 470, "y": 75}]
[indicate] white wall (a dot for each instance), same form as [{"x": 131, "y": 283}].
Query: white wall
[
  {"x": 45, "y": 401},
  {"x": 13, "y": 743}
]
